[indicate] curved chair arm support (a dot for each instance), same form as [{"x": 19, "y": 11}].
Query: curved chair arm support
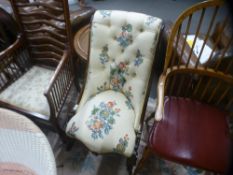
[
  {"x": 12, "y": 47},
  {"x": 60, "y": 84},
  {"x": 81, "y": 17},
  {"x": 160, "y": 91}
]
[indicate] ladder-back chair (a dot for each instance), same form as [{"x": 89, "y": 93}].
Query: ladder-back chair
[{"x": 37, "y": 70}]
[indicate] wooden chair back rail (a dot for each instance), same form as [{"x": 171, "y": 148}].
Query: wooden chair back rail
[
  {"x": 47, "y": 39},
  {"x": 13, "y": 64},
  {"x": 203, "y": 85},
  {"x": 180, "y": 53},
  {"x": 44, "y": 23},
  {"x": 57, "y": 36},
  {"x": 45, "y": 5},
  {"x": 60, "y": 85},
  {"x": 43, "y": 15},
  {"x": 43, "y": 47},
  {"x": 41, "y": 22}
]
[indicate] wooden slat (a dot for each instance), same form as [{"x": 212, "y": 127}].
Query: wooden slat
[
  {"x": 177, "y": 38},
  {"x": 49, "y": 6},
  {"x": 207, "y": 33},
  {"x": 223, "y": 95},
  {"x": 53, "y": 33},
  {"x": 196, "y": 35},
  {"x": 223, "y": 53},
  {"x": 41, "y": 21},
  {"x": 214, "y": 91},
  {"x": 226, "y": 20},
  {"x": 42, "y": 47},
  {"x": 185, "y": 39},
  {"x": 42, "y": 15}
]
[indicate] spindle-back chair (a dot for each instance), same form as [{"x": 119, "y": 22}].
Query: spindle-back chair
[
  {"x": 202, "y": 36},
  {"x": 191, "y": 127},
  {"x": 195, "y": 97}
]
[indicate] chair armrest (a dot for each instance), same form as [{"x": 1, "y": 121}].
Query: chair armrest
[
  {"x": 60, "y": 84},
  {"x": 81, "y": 17},
  {"x": 12, "y": 48},
  {"x": 160, "y": 92}
]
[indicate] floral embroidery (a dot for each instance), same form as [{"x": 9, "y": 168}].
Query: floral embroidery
[
  {"x": 102, "y": 119},
  {"x": 117, "y": 75},
  {"x": 193, "y": 171},
  {"x": 102, "y": 88},
  {"x": 129, "y": 104},
  {"x": 125, "y": 37},
  {"x": 105, "y": 13},
  {"x": 122, "y": 144},
  {"x": 150, "y": 20},
  {"x": 129, "y": 95},
  {"x": 138, "y": 59},
  {"x": 72, "y": 130},
  {"x": 104, "y": 58}
]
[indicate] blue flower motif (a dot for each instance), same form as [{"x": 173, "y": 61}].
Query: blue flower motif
[
  {"x": 105, "y": 13},
  {"x": 102, "y": 118},
  {"x": 150, "y": 20},
  {"x": 138, "y": 59},
  {"x": 193, "y": 171},
  {"x": 125, "y": 37}
]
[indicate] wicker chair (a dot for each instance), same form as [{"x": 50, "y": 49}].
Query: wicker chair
[
  {"x": 36, "y": 71},
  {"x": 24, "y": 148}
]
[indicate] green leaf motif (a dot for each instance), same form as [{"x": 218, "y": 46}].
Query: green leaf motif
[
  {"x": 122, "y": 145},
  {"x": 104, "y": 57}
]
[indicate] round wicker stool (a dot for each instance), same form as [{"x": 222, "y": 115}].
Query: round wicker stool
[{"x": 24, "y": 149}]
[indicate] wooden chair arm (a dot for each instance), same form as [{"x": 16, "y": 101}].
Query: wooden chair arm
[
  {"x": 160, "y": 92},
  {"x": 12, "y": 48},
  {"x": 60, "y": 84}
]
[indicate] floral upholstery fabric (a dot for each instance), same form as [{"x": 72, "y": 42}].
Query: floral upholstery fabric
[
  {"x": 122, "y": 51},
  {"x": 28, "y": 91},
  {"x": 99, "y": 121}
]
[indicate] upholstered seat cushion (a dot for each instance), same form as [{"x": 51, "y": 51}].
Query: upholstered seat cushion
[
  {"x": 192, "y": 133},
  {"x": 105, "y": 124},
  {"x": 28, "y": 91}
]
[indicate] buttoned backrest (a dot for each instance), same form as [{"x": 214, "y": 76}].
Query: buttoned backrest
[{"x": 122, "y": 49}]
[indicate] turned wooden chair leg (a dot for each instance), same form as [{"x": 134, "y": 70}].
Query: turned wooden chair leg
[{"x": 141, "y": 162}]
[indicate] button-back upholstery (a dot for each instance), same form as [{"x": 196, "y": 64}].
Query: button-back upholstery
[
  {"x": 122, "y": 49},
  {"x": 122, "y": 52}
]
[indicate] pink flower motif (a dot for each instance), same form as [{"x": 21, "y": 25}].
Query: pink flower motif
[
  {"x": 117, "y": 109},
  {"x": 122, "y": 65},
  {"x": 126, "y": 137},
  {"x": 110, "y": 104},
  {"x": 97, "y": 125},
  {"x": 124, "y": 34}
]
